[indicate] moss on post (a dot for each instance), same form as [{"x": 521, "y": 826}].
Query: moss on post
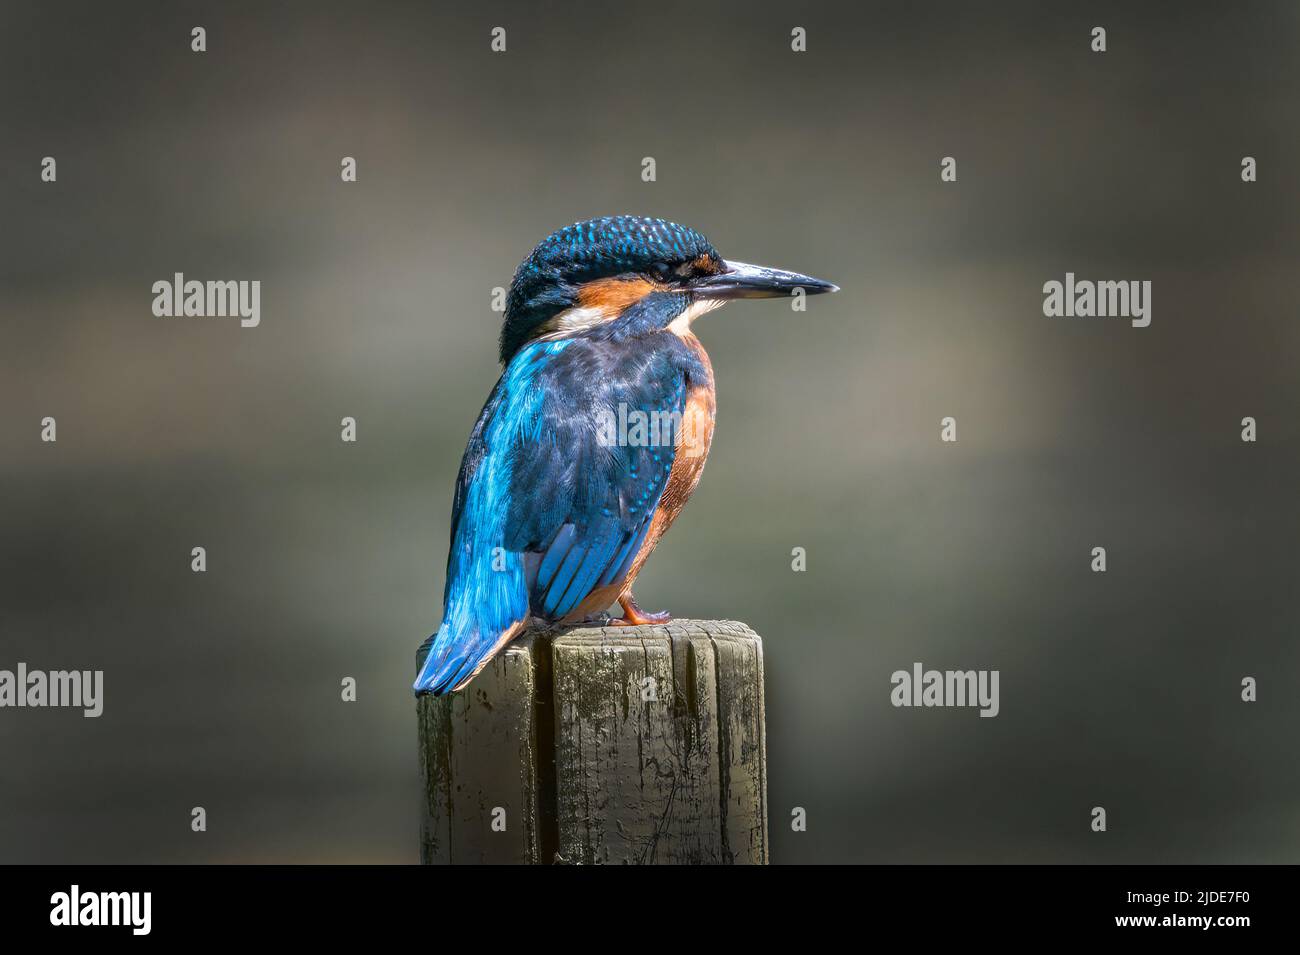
[{"x": 634, "y": 745}]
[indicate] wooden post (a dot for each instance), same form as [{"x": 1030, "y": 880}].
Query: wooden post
[{"x": 634, "y": 745}]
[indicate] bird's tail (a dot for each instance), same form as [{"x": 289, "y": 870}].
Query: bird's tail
[
  {"x": 455, "y": 658},
  {"x": 486, "y": 607}
]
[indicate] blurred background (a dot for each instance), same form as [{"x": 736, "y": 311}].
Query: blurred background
[{"x": 325, "y": 559}]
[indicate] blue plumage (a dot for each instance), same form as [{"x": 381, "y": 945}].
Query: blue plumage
[
  {"x": 554, "y": 509},
  {"x": 546, "y": 509},
  {"x": 485, "y": 593}
]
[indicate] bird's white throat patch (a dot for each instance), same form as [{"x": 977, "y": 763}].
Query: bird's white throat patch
[
  {"x": 574, "y": 320},
  {"x": 681, "y": 325},
  {"x": 571, "y": 321}
]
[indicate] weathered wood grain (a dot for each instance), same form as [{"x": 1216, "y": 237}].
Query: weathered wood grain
[
  {"x": 479, "y": 754},
  {"x": 742, "y": 745},
  {"x": 634, "y": 745}
]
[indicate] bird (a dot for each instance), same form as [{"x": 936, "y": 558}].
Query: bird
[{"x": 593, "y": 438}]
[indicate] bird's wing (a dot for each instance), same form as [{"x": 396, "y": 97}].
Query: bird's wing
[
  {"x": 553, "y": 498},
  {"x": 587, "y": 484}
]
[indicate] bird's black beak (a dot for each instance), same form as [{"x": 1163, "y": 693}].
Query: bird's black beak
[{"x": 742, "y": 280}]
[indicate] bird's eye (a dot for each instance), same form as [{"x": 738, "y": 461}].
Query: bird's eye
[{"x": 660, "y": 270}]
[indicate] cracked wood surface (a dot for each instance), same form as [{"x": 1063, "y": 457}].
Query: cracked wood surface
[{"x": 632, "y": 745}]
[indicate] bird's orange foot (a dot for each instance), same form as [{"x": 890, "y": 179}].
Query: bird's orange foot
[{"x": 634, "y": 616}]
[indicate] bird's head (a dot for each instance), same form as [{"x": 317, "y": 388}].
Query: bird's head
[{"x": 592, "y": 272}]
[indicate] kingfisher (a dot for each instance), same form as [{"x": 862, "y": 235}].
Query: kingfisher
[{"x": 593, "y": 438}]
